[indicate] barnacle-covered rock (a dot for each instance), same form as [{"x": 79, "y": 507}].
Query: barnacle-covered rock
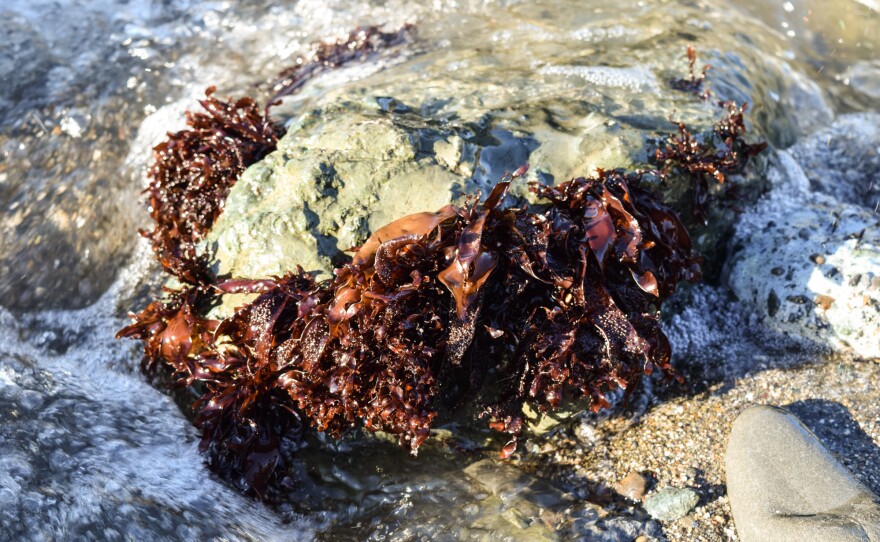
[
  {"x": 842, "y": 160},
  {"x": 809, "y": 265}
]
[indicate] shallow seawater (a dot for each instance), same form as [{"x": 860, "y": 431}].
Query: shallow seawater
[{"x": 88, "y": 449}]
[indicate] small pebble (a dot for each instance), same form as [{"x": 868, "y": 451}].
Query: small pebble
[
  {"x": 671, "y": 503},
  {"x": 633, "y": 486}
]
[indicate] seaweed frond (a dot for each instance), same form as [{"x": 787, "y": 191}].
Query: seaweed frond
[
  {"x": 723, "y": 153},
  {"x": 192, "y": 173},
  {"x": 694, "y": 82}
]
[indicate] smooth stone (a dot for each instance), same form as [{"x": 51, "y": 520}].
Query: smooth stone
[
  {"x": 671, "y": 503},
  {"x": 632, "y": 486},
  {"x": 784, "y": 485}
]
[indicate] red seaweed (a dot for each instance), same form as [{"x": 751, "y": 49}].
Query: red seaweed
[
  {"x": 192, "y": 173},
  {"x": 562, "y": 302},
  {"x": 480, "y": 302},
  {"x": 358, "y": 45},
  {"x": 694, "y": 83},
  {"x": 194, "y": 169},
  {"x": 173, "y": 333},
  {"x": 703, "y": 161}
]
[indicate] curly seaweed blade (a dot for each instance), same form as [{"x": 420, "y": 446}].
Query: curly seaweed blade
[
  {"x": 599, "y": 228},
  {"x": 414, "y": 224}
]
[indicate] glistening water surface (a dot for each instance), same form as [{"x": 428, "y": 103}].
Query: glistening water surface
[{"x": 89, "y": 449}]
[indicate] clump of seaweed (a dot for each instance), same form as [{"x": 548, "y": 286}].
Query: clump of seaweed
[
  {"x": 194, "y": 169},
  {"x": 173, "y": 333},
  {"x": 694, "y": 83},
  {"x": 562, "y": 302},
  {"x": 724, "y": 153},
  {"x": 192, "y": 173},
  {"x": 480, "y": 304},
  {"x": 359, "y": 44}
]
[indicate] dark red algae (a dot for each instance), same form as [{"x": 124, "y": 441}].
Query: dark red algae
[
  {"x": 359, "y": 44},
  {"x": 694, "y": 83},
  {"x": 708, "y": 162},
  {"x": 562, "y": 302},
  {"x": 192, "y": 173},
  {"x": 480, "y": 302}
]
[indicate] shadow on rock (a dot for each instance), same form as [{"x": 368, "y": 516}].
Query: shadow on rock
[{"x": 843, "y": 436}]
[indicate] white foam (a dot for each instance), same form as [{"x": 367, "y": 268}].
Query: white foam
[{"x": 117, "y": 447}]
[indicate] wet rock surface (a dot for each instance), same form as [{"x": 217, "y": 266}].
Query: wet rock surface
[
  {"x": 864, "y": 77},
  {"x": 324, "y": 192},
  {"x": 784, "y": 485},
  {"x": 418, "y": 134}
]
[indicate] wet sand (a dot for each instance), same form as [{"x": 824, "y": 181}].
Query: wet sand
[{"x": 681, "y": 441}]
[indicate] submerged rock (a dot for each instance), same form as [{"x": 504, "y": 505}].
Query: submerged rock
[
  {"x": 671, "y": 503},
  {"x": 418, "y": 134},
  {"x": 529, "y": 508},
  {"x": 25, "y": 59},
  {"x": 520, "y": 500},
  {"x": 785, "y": 486},
  {"x": 864, "y": 78},
  {"x": 809, "y": 265}
]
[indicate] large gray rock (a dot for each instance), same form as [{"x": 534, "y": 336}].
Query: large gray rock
[
  {"x": 809, "y": 265},
  {"x": 456, "y": 109},
  {"x": 349, "y": 167},
  {"x": 567, "y": 94},
  {"x": 784, "y": 486}
]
